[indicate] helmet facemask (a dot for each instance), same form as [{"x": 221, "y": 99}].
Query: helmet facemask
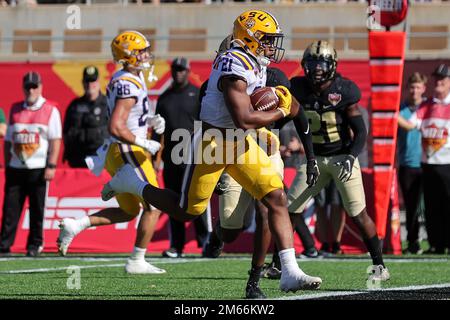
[
  {"x": 318, "y": 69},
  {"x": 144, "y": 62},
  {"x": 271, "y": 47}
]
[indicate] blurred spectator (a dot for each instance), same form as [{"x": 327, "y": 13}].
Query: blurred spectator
[
  {"x": 86, "y": 121},
  {"x": 3, "y": 125},
  {"x": 409, "y": 152},
  {"x": 291, "y": 148},
  {"x": 432, "y": 118},
  {"x": 179, "y": 106},
  {"x": 32, "y": 146}
]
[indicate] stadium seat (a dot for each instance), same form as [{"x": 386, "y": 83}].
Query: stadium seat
[
  {"x": 41, "y": 46},
  {"x": 75, "y": 45},
  {"x": 353, "y": 44},
  {"x": 302, "y": 43},
  {"x": 427, "y": 42},
  {"x": 188, "y": 44}
]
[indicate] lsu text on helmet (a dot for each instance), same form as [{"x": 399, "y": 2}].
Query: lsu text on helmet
[
  {"x": 319, "y": 62},
  {"x": 259, "y": 34},
  {"x": 129, "y": 48}
]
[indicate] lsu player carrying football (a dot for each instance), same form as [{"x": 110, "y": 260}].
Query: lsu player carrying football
[
  {"x": 257, "y": 41},
  {"x": 236, "y": 205},
  {"x": 129, "y": 121}
]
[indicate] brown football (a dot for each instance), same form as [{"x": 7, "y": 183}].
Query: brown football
[{"x": 264, "y": 99}]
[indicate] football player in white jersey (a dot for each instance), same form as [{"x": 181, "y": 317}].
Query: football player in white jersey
[
  {"x": 226, "y": 107},
  {"x": 128, "y": 126}
]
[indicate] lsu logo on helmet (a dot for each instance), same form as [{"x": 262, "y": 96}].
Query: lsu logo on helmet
[
  {"x": 127, "y": 46},
  {"x": 254, "y": 31}
]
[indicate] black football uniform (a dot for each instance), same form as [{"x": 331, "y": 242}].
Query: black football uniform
[{"x": 326, "y": 113}]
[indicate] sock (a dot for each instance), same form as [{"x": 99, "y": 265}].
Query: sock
[
  {"x": 276, "y": 258},
  {"x": 216, "y": 237},
  {"x": 288, "y": 261},
  {"x": 302, "y": 230},
  {"x": 373, "y": 245},
  {"x": 325, "y": 247},
  {"x": 255, "y": 275},
  {"x": 336, "y": 246},
  {"x": 139, "y": 188},
  {"x": 82, "y": 224},
  {"x": 138, "y": 253}
]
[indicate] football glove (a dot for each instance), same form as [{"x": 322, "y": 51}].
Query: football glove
[
  {"x": 157, "y": 123},
  {"x": 151, "y": 146},
  {"x": 312, "y": 173},
  {"x": 346, "y": 165},
  {"x": 285, "y": 99}
]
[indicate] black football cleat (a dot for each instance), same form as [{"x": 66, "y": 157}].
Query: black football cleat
[
  {"x": 253, "y": 291},
  {"x": 212, "y": 250},
  {"x": 271, "y": 271}
]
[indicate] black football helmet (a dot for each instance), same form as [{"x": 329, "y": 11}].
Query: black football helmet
[{"x": 319, "y": 62}]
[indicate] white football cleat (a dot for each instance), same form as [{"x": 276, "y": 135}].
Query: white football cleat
[
  {"x": 67, "y": 231},
  {"x": 299, "y": 281},
  {"x": 142, "y": 267},
  {"x": 379, "y": 273},
  {"x": 124, "y": 181}
]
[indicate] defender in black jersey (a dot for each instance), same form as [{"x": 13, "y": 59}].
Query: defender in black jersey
[{"x": 331, "y": 105}]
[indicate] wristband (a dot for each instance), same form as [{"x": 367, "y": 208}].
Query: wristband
[{"x": 51, "y": 166}]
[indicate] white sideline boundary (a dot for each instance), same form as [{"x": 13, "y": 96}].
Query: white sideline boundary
[
  {"x": 331, "y": 294},
  {"x": 40, "y": 270},
  {"x": 164, "y": 261},
  {"x": 198, "y": 259}
]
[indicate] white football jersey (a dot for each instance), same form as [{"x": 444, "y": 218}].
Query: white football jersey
[
  {"x": 124, "y": 85},
  {"x": 232, "y": 62}
]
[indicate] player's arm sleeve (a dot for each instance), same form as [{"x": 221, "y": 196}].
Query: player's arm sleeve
[
  {"x": 353, "y": 94},
  {"x": 355, "y": 119},
  {"x": 302, "y": 125},
  {"x": 54, "y": 125},
  {"x": 359, "y": 134}
]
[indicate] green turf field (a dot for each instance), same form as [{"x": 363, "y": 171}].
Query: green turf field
[{"x": 103, "y": 277}]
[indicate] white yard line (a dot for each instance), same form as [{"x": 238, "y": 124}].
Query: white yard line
[
  {"x": 60, "y": 268},
  {"x": 159, "y": 261},
  {"x": 321, "y": 295},
  {"x": 331, "y": 294}
]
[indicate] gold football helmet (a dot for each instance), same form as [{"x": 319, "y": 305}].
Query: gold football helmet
[
  {"x": 255, "y": 31},
  {"x": 319, "y": 62},
  {"x": 128, "y": 48}
]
